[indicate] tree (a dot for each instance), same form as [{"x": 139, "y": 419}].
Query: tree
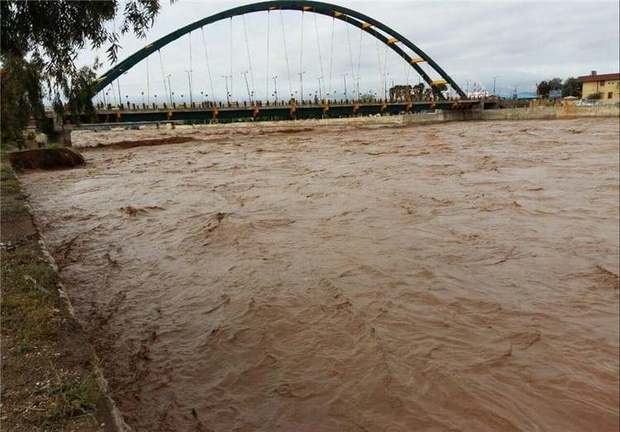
[
  {"x": 47, "y": 36},
  {"x": 400, "y": 92},
  {"x": 545, "y": 87},
  {"x": 571, "y": 87},
  {"x": 418, "y": 91},
  {"x": 368, "y": 98},
  {"x": 21, "y": 96}
]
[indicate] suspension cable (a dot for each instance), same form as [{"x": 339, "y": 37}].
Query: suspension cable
[
  {"x": 247, "y": 46},
  {"x": 204, "y": 44},
  {"x": 301, "y": 57},
  {"x": 231, "y": 56},
  {"x": 191, "y": 69},
  {"x": 148, "y": 83},
  {"x": 359, "y": 64},
  {"x": 407, "y": 69},
  {"x": 163, "y": 78},
  {"x": 331, "y": 58},
  {"x": 381, "y": 82},
  {"x": 350, "y": 52},
  {"x": 288, "y": 68},
  {"x": 267, "y": 79},
  {"x": 318, "y": 43},
  {"x": 385, "y": 72}
]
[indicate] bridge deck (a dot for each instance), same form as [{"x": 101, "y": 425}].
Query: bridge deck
[{"x": 272, "y": 112}]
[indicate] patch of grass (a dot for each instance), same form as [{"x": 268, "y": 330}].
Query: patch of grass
[
  {"x": 27, "y": 303},
  {"x": 54, "y": 145},
  {"x": 23, "y": 346},
  {"x": 10, "y": 185},
  {"x": 72, "y": 399},
  {"x": 48, "y": 382}
]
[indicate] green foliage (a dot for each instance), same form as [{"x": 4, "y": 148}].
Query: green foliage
[
  {"x": 58, "y": 30},
  {"x": 571, "y": 87},
  {"x": 80, "y": 93},
  {"x": 418, "y": 91},
  {"x": 39, "y": 42},
  {"x": 595, "y": 96},
  {"x": 367, "y": 98},
  {"x": 74, "y": 398},
  {"x": 545, "y": 87},
  {"x": 21, "y": 96},
  {"x": 400, "y": 92}
]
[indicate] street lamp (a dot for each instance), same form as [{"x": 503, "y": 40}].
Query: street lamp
[
  {"x": 227, "y": 92},
  {"x": 494, "y": 82},
  {"x": 275, "y": 86}
]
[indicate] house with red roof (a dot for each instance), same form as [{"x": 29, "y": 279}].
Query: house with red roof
[{"x": 604, "y": 87}]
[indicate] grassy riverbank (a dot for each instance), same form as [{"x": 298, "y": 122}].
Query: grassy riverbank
[{"x": 48, "y": 379}]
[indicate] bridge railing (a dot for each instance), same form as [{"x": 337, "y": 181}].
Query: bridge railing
[{"x": 209, "y": 105}]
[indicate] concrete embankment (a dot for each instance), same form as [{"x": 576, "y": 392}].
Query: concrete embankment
[{"x": 562, "y": 111}]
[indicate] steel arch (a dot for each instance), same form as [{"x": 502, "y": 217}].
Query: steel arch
[{"x": 347, "y": 15}]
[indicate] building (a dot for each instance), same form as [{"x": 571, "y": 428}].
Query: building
[{"x": 607, "y": 86}]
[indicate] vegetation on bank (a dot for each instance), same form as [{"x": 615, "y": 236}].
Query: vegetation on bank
[
  {"x": 48, "y": 378},
  {"x": 39, "y": 43},
  {"x": 569, "y": 87}
]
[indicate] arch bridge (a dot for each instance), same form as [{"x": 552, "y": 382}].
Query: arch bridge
[{"x": 402, "y": 46}]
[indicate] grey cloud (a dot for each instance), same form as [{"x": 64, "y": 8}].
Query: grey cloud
[{"x": 522, "y": 42}]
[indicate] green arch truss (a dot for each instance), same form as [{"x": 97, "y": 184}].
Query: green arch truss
[{"x": 371, "y": 26}]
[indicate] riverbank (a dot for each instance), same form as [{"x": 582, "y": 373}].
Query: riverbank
[{"x": 49, "y": 378}]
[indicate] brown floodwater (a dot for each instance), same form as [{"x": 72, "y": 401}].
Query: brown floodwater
[{"x": 459, "y": 277}]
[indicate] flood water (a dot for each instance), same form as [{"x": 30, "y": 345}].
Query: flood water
[{"x": 461, "y": 276}]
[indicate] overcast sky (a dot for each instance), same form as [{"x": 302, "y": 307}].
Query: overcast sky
[{"x": 519, "y": 42}]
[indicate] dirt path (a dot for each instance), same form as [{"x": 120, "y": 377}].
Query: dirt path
[{"x": 461, "y": 276}]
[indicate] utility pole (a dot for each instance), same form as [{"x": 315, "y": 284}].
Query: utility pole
[
  {"x": 494, "y": 82},
  {"x": 320, "y": 90},
  {"x": 189, "y": 80},
  {"x": 357, "y": 84},
  {"x": 275, "y": 87},
  {"x": 345, "y": 85}
]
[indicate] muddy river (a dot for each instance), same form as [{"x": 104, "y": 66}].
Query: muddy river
[{"x": 458, "y": 277}]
